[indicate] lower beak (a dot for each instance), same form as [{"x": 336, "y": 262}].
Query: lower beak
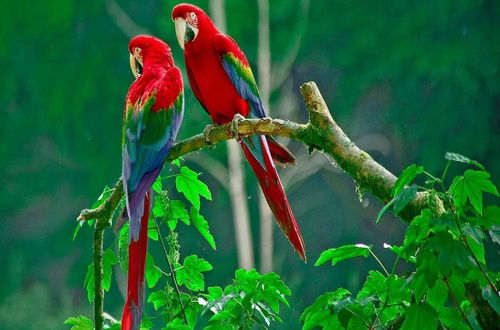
[
  {"x": 180, "y": 30},
  {"x": 133, "y": 66}
]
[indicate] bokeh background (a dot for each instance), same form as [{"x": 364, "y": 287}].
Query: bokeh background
[{"x": 406, "y": 80}]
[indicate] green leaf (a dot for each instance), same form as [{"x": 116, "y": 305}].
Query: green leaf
[
  {"x": 452, "y": 318},
  {"x": 477, "y": 249},
  {"x": 187, "y": 183},
  {"x": 202, "y": 225},
  {"x": 406, "y": 177},
  {"x": 397, "y": 292},
  {"x": 404, "y": 197},
  {"x": 157, "y": 186},
  {"x": 490, "y": 217},
  {"x": 152, "y": 273},
  {"x": 457, "y": 286},
  {"x": 79, "y": 323},
  {"x": 418, "y": 229},
  {"x": 343, "y": 253},
  {"x": 159, "y": 299},
  {"x": 88, "y": 283},
  {"x": 109, "y": 259},
  {"x": 318, "y": 314},
  {"x": 419, "y": 285},
  {"x": 438, "y": 295},
  {"x": 492, "y": 298},
  {"x": 178, "y": 211},
  {"x": 177, "y": 162},
  {"x": 152, "y": 232},
  {"x": 374, "y": 285},
  {"x": 385, "y": 209},
  {"x": 272, "y": 290},
  {"x": 420, "y": 316},
  {"x": 462, "y": 159},
  {"x": 451, "y": 253},
  {"x": 471, "y": 185},
  {"x": 123, "y": 241},
  {"x": 191, "y": 275}
]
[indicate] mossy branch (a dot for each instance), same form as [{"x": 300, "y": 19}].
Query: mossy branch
[{"x": 321, "y": 133}]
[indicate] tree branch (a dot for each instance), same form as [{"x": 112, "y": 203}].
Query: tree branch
[{"x": 321, "y": 133}]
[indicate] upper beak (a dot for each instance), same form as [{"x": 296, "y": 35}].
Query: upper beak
[
  {"x": 133, "y": 66},
  {"x": 180, "y": 30}
]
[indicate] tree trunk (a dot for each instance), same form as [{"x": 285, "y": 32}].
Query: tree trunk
[
  {"x": 237, "y": 191},
  {"x": 264, "y": 67}
]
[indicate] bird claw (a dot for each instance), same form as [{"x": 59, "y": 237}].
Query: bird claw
[
  {"x": 206, "y": 133},
  {"x": 234, "y": 126}
]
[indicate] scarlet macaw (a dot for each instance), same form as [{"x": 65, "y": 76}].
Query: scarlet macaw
[
  {"x": 223, "y": 83},
  {"x": 153, "y": 113}
]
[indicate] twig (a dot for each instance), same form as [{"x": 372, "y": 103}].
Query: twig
[
  {"x": 445, "y": 280},
  {"x": 101, "y": 224},
  {"x": 172, "y": 272},
  {"x": 379, "y": 262},
  {"x": 98, "y": 274}
]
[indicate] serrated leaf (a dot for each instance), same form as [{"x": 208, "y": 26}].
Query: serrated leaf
[
  {"x": 79, "y": 323},
  {"x": 471, "y": 186},
  {"x": 152, "y": 273},
  {"x": 202, "y": 225},
  {"x": 109, "y": 259},
  {"x": 191, "y": 187},
  {"x": 191, "y": 275},
  {"x": 152, "y": 232},
  {"x": 451, "y": 253},
  {"x": 420, "y": 316},
  {"x": 343, "y": 253},
  {"x": 404, "y": 197},
  {"x": 492, "y": 298},
  {"x": 272, "y": 290},
  {"x": 158, "y": 298},
  {"x": 462, "y": 159},
  {"x": 406, "y": 177},
  {"x": 88, "y": 282},
  {"x": 374, "y": 285},
  {"x": 318, "y": 314}
]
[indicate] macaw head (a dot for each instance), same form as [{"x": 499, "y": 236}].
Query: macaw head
[
  {"x": 191, "y": 22},
  {"x": 146, "y": 52}
]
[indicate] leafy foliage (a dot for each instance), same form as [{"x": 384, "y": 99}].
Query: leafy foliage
[
  {"x": 445, "y": 250},
  {"x": 252, "y": 299}
]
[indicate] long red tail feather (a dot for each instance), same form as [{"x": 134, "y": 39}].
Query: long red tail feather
[
  {"x": 272, "y": 188},
  {"x": 134, "y": 306}
]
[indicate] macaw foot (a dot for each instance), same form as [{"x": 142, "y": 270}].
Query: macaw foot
[
  {"x": 206, "y": 134},
  {"x": 234, "y": 126}
]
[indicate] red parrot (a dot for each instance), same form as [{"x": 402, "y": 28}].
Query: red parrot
[
  {"x": 223, "y": 83},
  {"x": 153, "y": 113}
]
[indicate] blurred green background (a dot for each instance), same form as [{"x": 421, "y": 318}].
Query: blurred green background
[{"x": 406, "y": 80}]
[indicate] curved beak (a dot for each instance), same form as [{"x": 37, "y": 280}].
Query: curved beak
[
  {"x": 180, "y": 30},
  {"x": 135, "y": 66}
]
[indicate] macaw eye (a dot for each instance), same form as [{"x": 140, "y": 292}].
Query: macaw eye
[{"x": 192, "y": 15}]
